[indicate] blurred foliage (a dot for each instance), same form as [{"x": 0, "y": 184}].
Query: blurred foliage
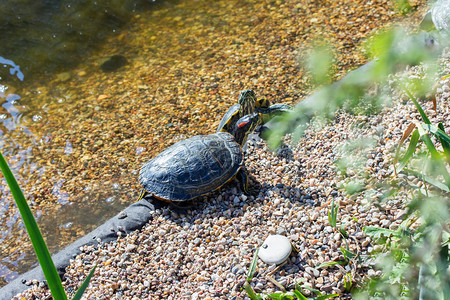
[
  {"x": 414, "y": 260},
  {"x": 319, "y": 64},
  {"x": 403, "y": 6}
]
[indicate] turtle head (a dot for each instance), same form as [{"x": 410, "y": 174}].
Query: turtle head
[
  {"x": 246, "y": 100},
  {"x": 244, "y": 126}
]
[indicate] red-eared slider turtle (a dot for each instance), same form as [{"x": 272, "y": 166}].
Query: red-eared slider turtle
[
  {"x": 245, "y": 106},
  {"x": 199, "y": 165}
]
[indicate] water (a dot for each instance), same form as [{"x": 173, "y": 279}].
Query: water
[
  {"x": 75, "y": 132},
  {"x": 40, "y": 41}
]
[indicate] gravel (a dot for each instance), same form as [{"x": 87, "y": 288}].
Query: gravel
[
  {"x": 205, "y": 252},
  {"x": 81, "y": 137}
]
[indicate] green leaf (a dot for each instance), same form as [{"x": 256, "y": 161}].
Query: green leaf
[
  {"x": 42, "y": 253},
  {"x": 377, "y": 232},
  {"x": 251, "y": 270},
  {"x": 410, "y": 151},
  {"x": 416, "y": 103},
  {"x": 332, "y": 214},
  {"x": 331, "y": 263},
  {"x": 424, "y": 136},
  {"x": 434, "y": 154},
  {"x": 444, "y": 142},
  {"x": 299, "y": 295},
  {"x": 319, "y": 64},
  {"x": 428, "y": 179},
  {"x": 347, "y": 254},
  {"x": 84, "y": 285},
  {"x": 348, "y": 282},
  {"x": 317, "y": 292},
  {"x": 251, "y": 293},
  {"x": 323, "y": 297},
  {"x": 439, "y": 132},
  {"x": 343, "y": 232},
  {"x": 282, "y": 296}
]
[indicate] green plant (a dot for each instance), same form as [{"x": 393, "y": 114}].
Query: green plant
[
  {"x": 42, "y": 253},
  {"x": 332, "y": 214},
  {"x": 417, "y": 259},
  {"x": 414, "y": 260},
  {"x": 295, "y": 294}
]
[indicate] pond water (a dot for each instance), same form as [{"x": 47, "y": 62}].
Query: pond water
[{"x": 90, "y": 90}]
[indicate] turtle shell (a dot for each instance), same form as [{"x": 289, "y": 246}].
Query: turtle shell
[{"x": 193, "y": 167}]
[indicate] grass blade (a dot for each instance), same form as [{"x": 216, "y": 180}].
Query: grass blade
[
  {"x": 445, "y": 143},
  {"x": 416, "y": 103},
  {"x": 429, "y": 179},
  {"x": 42, "y": 253},
  {"x": 438, "y": 131},
  {"x": 331, "y": 263},
  {"x": 332, "y": 214},
  {"x": 377, "y": 232},
  {"x": 317, "y": 292},
  {"x": 282, "y": 296},
  {"x": 323, "y": 297},
  {"x": 250, "y": 292},
  {"x": 251, "y": 269},
  {"x": 84, "y": 285},
  {"x": 299, "y": 295},
  {"x": 409, "y": 152}
]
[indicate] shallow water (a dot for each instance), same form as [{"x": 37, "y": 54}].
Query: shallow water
[
  {"x": 76, "y": 135},
  {"x": 41, "y": 43}
]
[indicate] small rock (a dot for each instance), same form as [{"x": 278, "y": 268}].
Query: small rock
[
  {"x": 312, "y": 271},
  {"x": 63, "y": 76},
  {"x": 113, "y": 63},
  {"x": 327, "y": 288},
  {"x": 130, "y": 247},
  {"x": 275, "y": 249}
]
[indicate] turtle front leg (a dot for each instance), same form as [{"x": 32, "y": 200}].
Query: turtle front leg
[
  {"x": 242, "y": 176},
  {"x": 243, "y": 180}
]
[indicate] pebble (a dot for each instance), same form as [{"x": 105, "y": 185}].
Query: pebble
[
  {"x": 275, "y": 249},
  {"x": 312, "y": 271}
]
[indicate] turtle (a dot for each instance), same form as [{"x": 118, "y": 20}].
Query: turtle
[
  {"x": 245, "y": 106},
  {"x": 199, "y": 165}
]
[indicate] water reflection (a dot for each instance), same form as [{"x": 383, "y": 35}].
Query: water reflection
[
  {"x": 12, "y": 127},
  {"x": 13, "y": 70}
]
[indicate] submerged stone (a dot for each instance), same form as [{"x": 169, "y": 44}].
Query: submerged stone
[{"x": 113, "y": 63}]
